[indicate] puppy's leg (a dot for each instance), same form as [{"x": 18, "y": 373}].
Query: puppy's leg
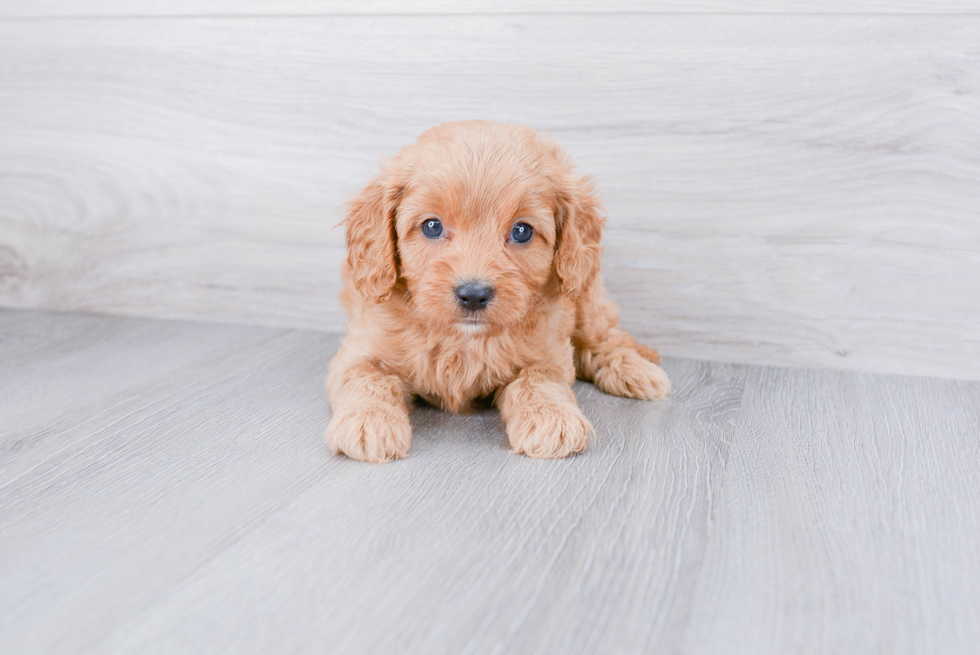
[
  {"x": 370, "y": 411},
  {"x": 609, "y": 357},
  {"x": 541, "y": 415}
]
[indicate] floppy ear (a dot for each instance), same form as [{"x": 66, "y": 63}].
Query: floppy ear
[
  {"x": 372, "y": 259},
  {"x": 578, "y": 254}
]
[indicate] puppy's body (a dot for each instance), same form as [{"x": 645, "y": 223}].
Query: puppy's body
[
  {"x": 453, "y": 368},
  {"x": 542, "y": 319}
]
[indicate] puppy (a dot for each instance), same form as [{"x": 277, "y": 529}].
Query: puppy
[{"x": 472, "y": 273}]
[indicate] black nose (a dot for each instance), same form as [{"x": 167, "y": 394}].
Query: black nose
[{"x": 474, "y": 296}]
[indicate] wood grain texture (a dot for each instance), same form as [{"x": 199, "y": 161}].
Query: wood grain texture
[
  {"x": 848, "y": 518},
  {"x": 88, "y": 8},
  {"x": 786, "y": 190},
  {"x": 195, "y": 507}
]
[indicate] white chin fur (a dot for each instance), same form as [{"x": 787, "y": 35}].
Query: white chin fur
[{"x": 470, "y": 328}]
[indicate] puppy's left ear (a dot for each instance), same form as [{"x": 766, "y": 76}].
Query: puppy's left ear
[
  {"x": 372, "y": 257},
  {"x": 578, "y": 253}
]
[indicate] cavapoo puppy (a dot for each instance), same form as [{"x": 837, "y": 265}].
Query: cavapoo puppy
[{"x": 472, "y": 273}]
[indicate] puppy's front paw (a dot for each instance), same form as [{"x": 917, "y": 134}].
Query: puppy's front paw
[
  {"x": 624, "y": 372},
  {"x": 376, "y": 433},
  {"x": 549, "y": 431}
]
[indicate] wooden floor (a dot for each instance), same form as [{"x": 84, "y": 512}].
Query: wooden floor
[{"x": 164, "y": 487}]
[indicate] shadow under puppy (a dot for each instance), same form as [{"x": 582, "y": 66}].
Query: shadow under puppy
[{"x": 472, "y": 272}]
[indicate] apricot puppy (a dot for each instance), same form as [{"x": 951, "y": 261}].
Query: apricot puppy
[{"x": 472, "y": 272}]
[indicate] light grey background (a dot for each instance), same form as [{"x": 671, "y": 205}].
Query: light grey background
[
  {"x": 165, "y": 488},
  {"x": 787, "y": 182}
]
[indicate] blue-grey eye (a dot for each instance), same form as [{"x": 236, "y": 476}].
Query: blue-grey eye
[
  {"x": 432, "y": 228},
  {"x": 521, "y": 233}
]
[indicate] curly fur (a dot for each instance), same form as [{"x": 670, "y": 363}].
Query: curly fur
[{"x": 549, "y": 321}]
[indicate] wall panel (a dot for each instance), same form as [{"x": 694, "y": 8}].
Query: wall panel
[{"x": 782, "y": 189}]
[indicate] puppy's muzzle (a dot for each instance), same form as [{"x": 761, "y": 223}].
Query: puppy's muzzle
[{"x": 474, "y": 295}]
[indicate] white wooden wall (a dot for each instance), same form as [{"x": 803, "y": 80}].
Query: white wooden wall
[{"x": 787, "y": 183}]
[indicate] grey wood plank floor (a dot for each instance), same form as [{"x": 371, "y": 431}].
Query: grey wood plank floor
[{"x": 164, "y": 487}]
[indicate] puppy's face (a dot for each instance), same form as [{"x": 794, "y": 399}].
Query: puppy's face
[
  {"x": 478, "y": 222},
  {"x": 476, "y": 237}
]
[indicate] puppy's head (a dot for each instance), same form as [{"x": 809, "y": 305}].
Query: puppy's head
[{"x": 474, "y": 224}]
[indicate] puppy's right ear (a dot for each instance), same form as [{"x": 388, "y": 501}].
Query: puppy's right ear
[{"x": 372, "y": 260}]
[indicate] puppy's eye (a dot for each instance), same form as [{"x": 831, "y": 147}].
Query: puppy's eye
[
  {"x": 521, "y": 233},
  {"x": 432, "y": 228}
]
